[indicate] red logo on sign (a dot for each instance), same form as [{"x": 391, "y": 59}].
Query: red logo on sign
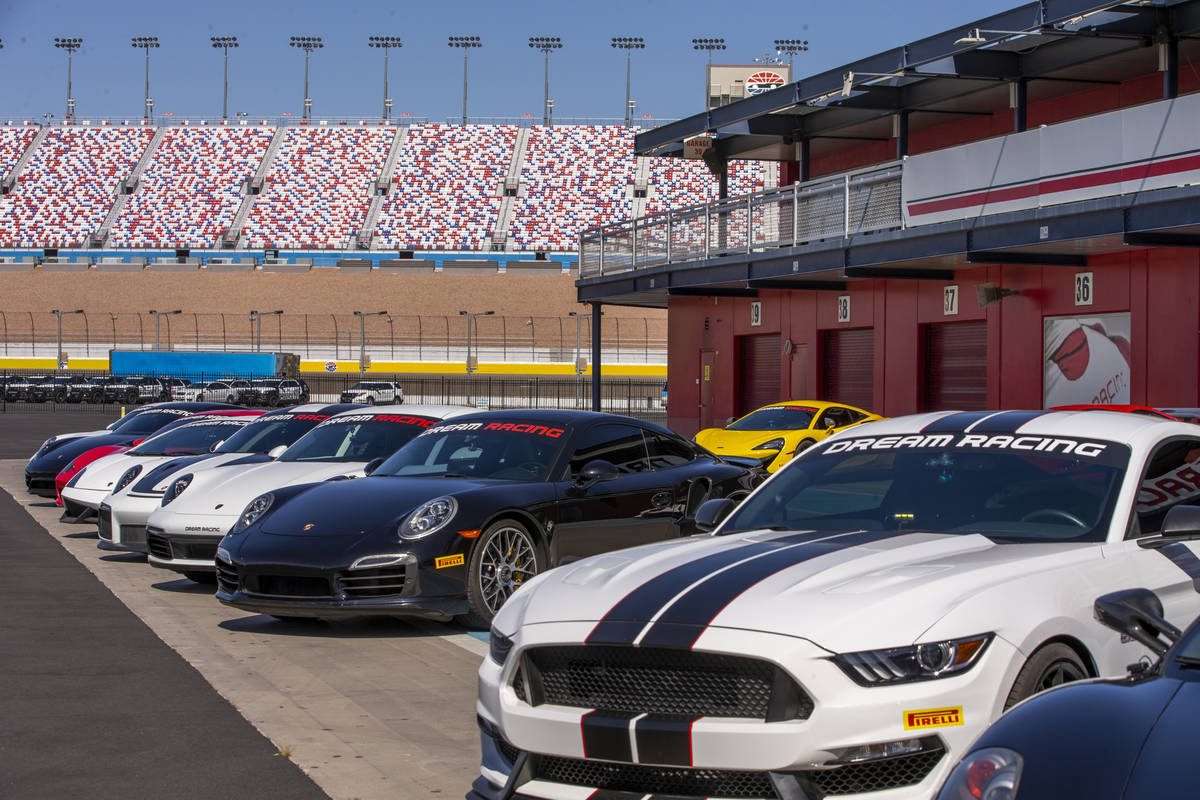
[{"x": 764, "y": 81}]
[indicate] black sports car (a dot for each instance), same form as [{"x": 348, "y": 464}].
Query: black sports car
[
  {"x": 1129, "y": 738},
  {"x": 460, "y": 517},
  {"x": 58, "y": 451}
]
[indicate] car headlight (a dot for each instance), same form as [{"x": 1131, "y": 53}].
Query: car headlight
[
  {"x": 993, "y": 773},
  {"x": 176, "y": 488},
  {"x": 429, "y": 518},
  {"x": 499, "y": 646},
  {"x": 920, "y": 662},
  {"x": 41, "y": 451},
  {"x": 253, "y": 512},
  {"x": 127, "y": 478},
  {"x": 774, "y": 444}
]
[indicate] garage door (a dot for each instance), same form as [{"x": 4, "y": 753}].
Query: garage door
[
  {"x": 759, "y": 373},
  {"x": 956, "y": 366},
  {"x": 848, "y": 374}
]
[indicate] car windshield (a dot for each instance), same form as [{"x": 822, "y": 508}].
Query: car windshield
[
  {"x": 497, "y": 450},
  {"x": 1008, "y": 488},
  {"x": 264, "y": 384},
  {"x": 357, "y": 437},
  {"x": 776, "y": 418},
  {"x": 191, "y": 439},
  {"x": 268, "y": 433},
  {"x": 144, "y": 422}
]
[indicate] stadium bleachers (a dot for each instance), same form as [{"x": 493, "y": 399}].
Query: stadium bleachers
[
  {"x": 318, "y": 187},
  {"x": 191, "y": 188},
  {"x": 445, "y": 187},
  {"x": 577, "y": 176},
  {"x": 13, "y": 143},
  {"x": 69, "y": 185}
]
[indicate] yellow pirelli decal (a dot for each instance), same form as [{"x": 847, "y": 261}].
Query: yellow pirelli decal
[
  {"x": 449, "y": 561},
  {"x": 933, "y": 718}
]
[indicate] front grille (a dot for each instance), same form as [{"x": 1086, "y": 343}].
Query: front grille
[
  {"x": 197, "y": 551},
  {"x": 227, "y": 577},
  {"x": 661, "y": 681},
  {"x": 133, "y": 534},
  {"x": 104, "y": 523},
  {"x": 288, "y": 585},
  {"x": 677, "y": 781},
  {"x": 876, "y": 776},
  {"x": 507, "y": 750},
  {"x": 380, "y": 582},
  {"x": 159, "y": 546}
]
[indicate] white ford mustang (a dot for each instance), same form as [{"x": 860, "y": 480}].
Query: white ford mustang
[{"x": 853, "y": 624}]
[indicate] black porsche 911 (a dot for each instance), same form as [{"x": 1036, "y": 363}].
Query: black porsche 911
[{"x": 456, "y": 520}]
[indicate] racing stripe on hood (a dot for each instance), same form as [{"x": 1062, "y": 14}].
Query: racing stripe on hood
[
  {"x": 682, "y": 622},
  {"x": 1005, "y": 422},
  {"x": 956, "y": 423},
  {"x": 627, "y": 618},
  {"x": 1185, "y": 559},
  {"x": 606, "y": 735},
  {"x": 252, "y": 458},
  {"x": 664, "y": 739},
  {"x": 146, "y": 484}
]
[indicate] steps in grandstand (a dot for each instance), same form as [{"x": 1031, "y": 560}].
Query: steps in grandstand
[
  {"x": 10, "y": 180},
  {"x": 381, "y": 188},
  {"x": 641, "y": 186},
  {"x": 512, "y": 188},
  {"x": 125, "y": 190},
  {"x": 254, "y": 187}
]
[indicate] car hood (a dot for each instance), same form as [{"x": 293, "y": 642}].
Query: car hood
[
  {"x": 60, "y": 455},
  {"x": 842, "y": 591},
  {"x": 156, "y": 480},
  {"x": 103, "y": 473},
  {"x": 227, "y": 489},
  {"x": 722, "y": 441}
]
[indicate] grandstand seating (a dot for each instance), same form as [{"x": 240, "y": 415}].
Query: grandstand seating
[
  {"x": 445, "y": 187},
  {"x": 69, "y": 185},
  {"x": 579, "y": 176},
  {"x": 13, "y": 143},
  {"x": 191, "y": 189},
  {"x": 319, "y": 187}
]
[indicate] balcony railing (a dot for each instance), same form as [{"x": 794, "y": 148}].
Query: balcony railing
[{"x": 832, "y": 207}]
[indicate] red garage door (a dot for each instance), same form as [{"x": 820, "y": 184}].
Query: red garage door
[
  {"x": 956, "y": 366},
  {"x": 849, "y": 367},
  {"x": 759, "y": 371}
]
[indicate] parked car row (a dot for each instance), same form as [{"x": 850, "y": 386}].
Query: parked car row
[{"x": 136, "y": 389}]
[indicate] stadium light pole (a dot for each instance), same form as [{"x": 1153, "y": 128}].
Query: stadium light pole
[
  {"x": 146, "y": 43},
  {"x": 362, "y": 336},
  {"x": 257, "y": 316},
  {"x": 466, "y": 43},
  {"x": 70, "y": 44},
  {"x": 546, "y": 44},
  {"x": 708, "y": 45},
  {"x": 790, "y": 47},
  {"x": 58, "y": 350},
  {"x": 307, "y": 44},
  {"x": 628, "y": 44},
  {"x": 224, "y": 43},
  {"x": 157, "y": 315},
  {"x": 385, "y": 43}
]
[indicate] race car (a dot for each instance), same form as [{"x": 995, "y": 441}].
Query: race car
[
  {"x": 1128, "y": 737},
  {"x": 58, "y": 451},
  {"x": 197, "y": 510},
  {"x": 74, "y": 512},
  {"x": 480, "y": 505},
  {"x": 374, "y": 393},
  {"x": 853, "y": 625},
  {"x": 774, "y": 434}
]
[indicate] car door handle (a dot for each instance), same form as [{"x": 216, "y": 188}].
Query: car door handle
[{"x": 661, "y": 499}]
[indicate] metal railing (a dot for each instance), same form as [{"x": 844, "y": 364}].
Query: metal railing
[{"x": 831, "y": 207}]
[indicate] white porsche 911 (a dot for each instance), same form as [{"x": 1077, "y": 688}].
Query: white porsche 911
[{"x": 850, "y": 627}]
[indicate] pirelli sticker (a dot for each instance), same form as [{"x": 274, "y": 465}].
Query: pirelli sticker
[
  {"x": 933, "y": 718},
  {"x": 449, "y": 561}
]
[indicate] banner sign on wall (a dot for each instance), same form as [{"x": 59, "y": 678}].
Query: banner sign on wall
[{"x": 1085, "y": 359}]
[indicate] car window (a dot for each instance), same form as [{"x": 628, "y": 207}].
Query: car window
[
  {"x": 775, "y": 418},
  {"x": 358, "y": 437},
  {"x": 498, "y": 450},
  {"x": 667, "y": 451},
  {"x": 1171, "y": 477},
  {"x": 835, "y": 417},
  {"x": 622, "y": 445}
]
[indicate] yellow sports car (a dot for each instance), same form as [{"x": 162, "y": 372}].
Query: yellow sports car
[{"x": 775, "y": 433}]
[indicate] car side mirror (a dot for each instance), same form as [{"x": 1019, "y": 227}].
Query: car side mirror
[
  {"x": 213, "y": 449},
  {"x": 372, "y": 465},
  {"x": 1138, "y": 614},
  {"x": 596, "y": 472},
  {"x": 1181, "y": 524},
  {"x": 276, "y": 451},
  {"x": 713, "y": 512}
]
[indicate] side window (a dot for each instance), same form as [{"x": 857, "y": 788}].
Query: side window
[
  {"x": 1171, "y": 478},
  {"x": 828, "y": 419},
  {"x": 667, "y": 451},
  {"x": 620, "y": 444}
]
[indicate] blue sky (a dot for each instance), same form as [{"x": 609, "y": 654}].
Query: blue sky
[{"x": 266, "y": 76}]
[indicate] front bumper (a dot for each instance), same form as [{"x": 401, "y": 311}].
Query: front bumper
[
  {"x": 714, "y": 754},
  {"x": 76, "y": 512},
  {"x": 115, "y": 536},
  {"x": 41, "y": 483},
  {"x": 82, "y": 497},
  {"x": 182, "y": 553}
]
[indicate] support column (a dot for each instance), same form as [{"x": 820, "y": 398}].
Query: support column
[
  {"x": 596, "y": 342},
  {"x": 1020, "y": 104},
  {"x": 1169, "y": 64},
  {"x": 900, "y": 131}
]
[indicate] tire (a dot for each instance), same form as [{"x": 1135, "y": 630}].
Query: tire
[
  {"x": 370, "y": 400},
  {"x": 803, "y": 445},
  {"x": 200, "y": 577},
  {"x": 60, "y": 397},
  {"x": 131, "y": 397},
  {"x": 490, "y": 575},
  {"x": 272, "y": 400},
  {"x": 1050, "y": 666}
]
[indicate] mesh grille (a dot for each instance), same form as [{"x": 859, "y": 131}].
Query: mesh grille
[
  {"x": 227, "y": 577},
  {"x": 104, "y": 523},
  {"x": 677, "y": 781},
  {"x": 288, "y": 585},
  {"x": 380, "y": 582},
  {"x": 508, "y": 751},
  {"x": 158, "y": 546},
  {"x": 876, "y": 776},
  {"x": 659, "y": 680}
]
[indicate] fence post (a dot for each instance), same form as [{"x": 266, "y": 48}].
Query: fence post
[
  {"x": 646, "y": 338},
  {"x": 224, "y": 339},
  {"x": 196, "y": 326},
  {"x": 669, "y": 237},
  {"x": 795, "y": 213},
  {"x": 846, "y": 205},
  {"x": 5, "y": 318},
  {"x": 306, "y": 353},
  {"x": 87, "y": 338},
  {"x": 447, "y": 321},
  {"x": 420, "y": 339},
  {"x": 141, "y": 333},
  {"x": 336, "y": 352},
  {"x": 32, "y": 336},
  {"x": 504, "y": 333}
]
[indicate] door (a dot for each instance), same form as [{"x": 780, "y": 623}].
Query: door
[
  {"x": 800, "y": 370},
  {"x": 608, "y": 515},
  {"x": 758, "y": 368},
  {"x": 848, "y": 374},
  {"x": 956, "y": 366},
  {"x": 708, "y": 360}
]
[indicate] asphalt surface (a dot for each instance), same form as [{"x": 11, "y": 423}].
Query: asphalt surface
[{"x": 94, "y": 703}]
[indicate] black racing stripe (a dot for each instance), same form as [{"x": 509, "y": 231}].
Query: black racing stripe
[
  {"x": 955, "y": 423},
  {"x": 1007, "y": 422},
  {"x": 1185, "y": 559},
  {"x": 146, "y": 484},
  {"x": 253, "y": 458},
  {"x": 683, "y": 622},
  {"x": 606, "y": 735},
  {"x": 625, "y": 620},
  {"x": 337, "y": 408},
  {"x": 664, "y": 739}
]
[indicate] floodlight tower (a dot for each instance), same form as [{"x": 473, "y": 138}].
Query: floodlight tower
[
  {"x": 790, "y": 47},
  {"x": 546, "y": 44},
  {"x": 465, "y": 43},
  {"x": 385, "y": 43},
  {"x": 146, "y": 43},
  {"x": 307, "y": 44},
  {"x": 628, "y": 44},
  {"x": 70, "y": 44},
  {"x": 224, "y": 43},
  {"x": 708, "y": 45}
]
